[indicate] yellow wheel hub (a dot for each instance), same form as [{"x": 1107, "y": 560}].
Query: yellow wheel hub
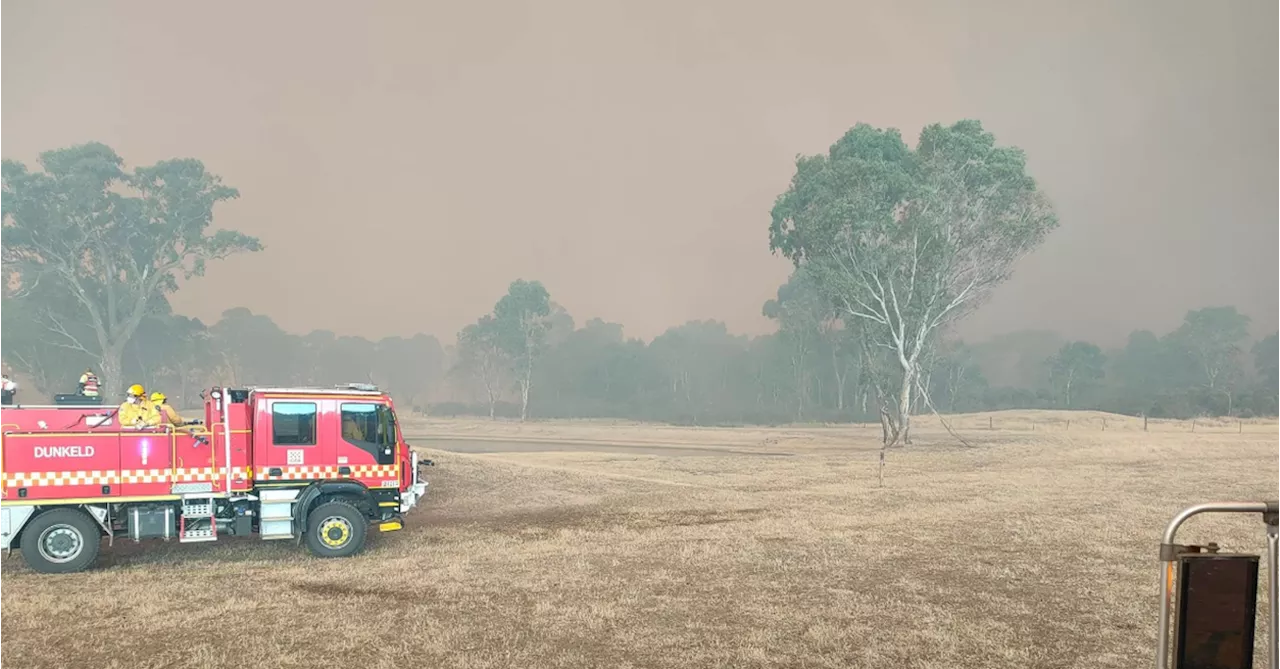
[{"x": 335, "y": 532}]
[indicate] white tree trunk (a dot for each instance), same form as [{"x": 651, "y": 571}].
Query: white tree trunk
[
  {"x": 904, "y": 405},
  {"x": 524, "y": 400},
  {"x": 525, "y": 383},
  {"x": 840, "y": 395},
  {"x": 800, "y": 388},
  {"x": 1070, "y": 377},
  {"x": 489, "y": 377}
]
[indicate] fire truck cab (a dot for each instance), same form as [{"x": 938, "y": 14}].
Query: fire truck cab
[{"x": 319, "y": 465}]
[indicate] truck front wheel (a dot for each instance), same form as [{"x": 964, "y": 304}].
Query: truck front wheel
[
  {"x": 61, "y": 541},
  {"x": 336, "y": 529}
]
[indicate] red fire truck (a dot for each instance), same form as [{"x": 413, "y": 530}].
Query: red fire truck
[{"x": 313, "y": 465}]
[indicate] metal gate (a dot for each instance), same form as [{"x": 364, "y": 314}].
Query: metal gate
[{"x": 1217, "y": 596}]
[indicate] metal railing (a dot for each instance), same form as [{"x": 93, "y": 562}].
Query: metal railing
[{"x": 1169, "y": 552}]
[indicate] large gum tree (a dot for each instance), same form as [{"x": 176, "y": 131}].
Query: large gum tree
[
  {"x": 905, "y": 242},
  {"x": 93, "y": 248}
]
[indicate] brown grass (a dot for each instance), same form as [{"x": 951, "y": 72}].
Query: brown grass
[
  {"x": 1030, "y": 550},
  {"x": 975, "y": 425}
]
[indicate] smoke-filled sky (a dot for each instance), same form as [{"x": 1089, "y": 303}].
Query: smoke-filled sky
[{"x": 403, "y": 162}]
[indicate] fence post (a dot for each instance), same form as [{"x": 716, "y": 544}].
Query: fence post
[
  {"x": 1104, "y": 423},
  {"x": 1193, "y": 425},
  {"x": 1068, "y": 425},
  {"x": 991, "y": 423},
  {"x": 1240, "y": 423}
]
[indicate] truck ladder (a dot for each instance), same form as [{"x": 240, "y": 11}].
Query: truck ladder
[
  {"x": 277, "y": 512},
  {"x": 197, "y": 508}
]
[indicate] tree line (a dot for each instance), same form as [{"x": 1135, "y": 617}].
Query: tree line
[
  {"x": 91, "y": 253},
  {"x": 180, "y": 356},
  {"x": 814, "y": 369},
  {"x": 892, "y": 246},
  {"x": 531, "y": 358}
]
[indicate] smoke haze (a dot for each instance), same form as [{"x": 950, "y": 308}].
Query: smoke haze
[{"x": 411, "y": 160}]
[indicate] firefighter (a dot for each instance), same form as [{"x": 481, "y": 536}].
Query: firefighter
[
  {"x": 168, "y": 415},
  {"x": 89, "y": 384},
  {"x": 351, "y": 430},
  {"x": 137, "y": 410},
  {"x": 7, "y": 390}
]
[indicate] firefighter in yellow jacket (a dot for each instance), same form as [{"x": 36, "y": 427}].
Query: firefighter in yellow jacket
[
  {"x": 137, "y": 410},
  {"x": 168, "y": 415}
]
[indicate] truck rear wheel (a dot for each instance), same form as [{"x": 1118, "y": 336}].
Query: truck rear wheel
[
  {"x": 336, "y": 529},
  {"x": 61, "y": 541}
]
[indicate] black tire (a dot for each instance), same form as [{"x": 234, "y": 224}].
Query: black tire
[
  {"x": 61, "y": 541},
  {"x": 336, "y": 529}
]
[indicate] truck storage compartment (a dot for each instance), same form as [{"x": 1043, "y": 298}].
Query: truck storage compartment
[{"x": 151, "y": 522}]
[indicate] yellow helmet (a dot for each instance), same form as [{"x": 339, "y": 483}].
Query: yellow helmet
[
  {"x": 158, "y": 397},
  {"x": 137, "y": 390}
]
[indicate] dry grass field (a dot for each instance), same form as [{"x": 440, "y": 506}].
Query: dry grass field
[{"x": 712, "y": 547}]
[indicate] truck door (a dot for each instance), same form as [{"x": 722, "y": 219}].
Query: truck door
[
  {"x": 367, "y": 446},
  {"x": 292, "y": 445}
]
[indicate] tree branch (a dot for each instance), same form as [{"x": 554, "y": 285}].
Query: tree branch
[
  {"x": 929, "y": 402},
  {"x": 55, "y": 325}
]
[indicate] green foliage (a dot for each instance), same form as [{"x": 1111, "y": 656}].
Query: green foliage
[
  {"x": 895, "y": 233},
  {"x": 171, "y": 350},
  {"x": 94, "y": 249},
  {"x": 809, "y": 326},
  {"x": 890, "y": 244},
  {"x": 1075, "y": 370},
  {"x": 481, "y": 359},
  {"x": 411, "y": 368},
  {"x": 1266, "y": 359},
  {"x": 816, "y": 367},
  {"x": 505, "y": 346},
  {"x": 696, "y": 374},
  {"x": 244, "y": 348},
  {"x": 179, "y": 356},
  {"x": 1016, "y": 359},
  {"x": 28, "y": 348},
  {"x": 522, "y": 319},
  {"x": 908, "y": 242},
  {"x": 1213, "y": 337},
  {"x": 257, "y": 352},
  {"x": 595, "y": 368},
  {"x": 956, "y": 379}
]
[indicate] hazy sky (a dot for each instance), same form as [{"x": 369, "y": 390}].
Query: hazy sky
[{"x": 403, "y": 162}]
